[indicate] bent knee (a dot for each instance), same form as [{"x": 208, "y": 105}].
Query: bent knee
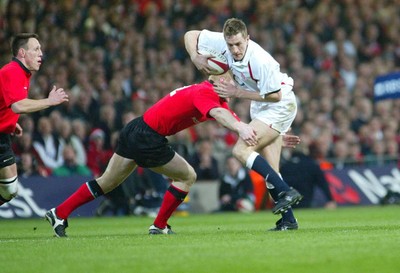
[
  {"x": 8, "y": 188},
  {"x": 191, "y": 178},
  {"x": 240, "y": 153}
]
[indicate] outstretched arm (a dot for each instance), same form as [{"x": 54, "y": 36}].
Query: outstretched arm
[
  {"x": 225, "y": 118},
  {"x": 56, "y": 97}
]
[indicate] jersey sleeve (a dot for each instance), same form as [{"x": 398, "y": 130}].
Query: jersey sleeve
[
  {"x": 206, "y": 100},
  {"x": 211, "y": 39},
  {"x": 226, "y": 106},
  {"x": 270, "y": 78},
  {"x": 13, "y": 88}
]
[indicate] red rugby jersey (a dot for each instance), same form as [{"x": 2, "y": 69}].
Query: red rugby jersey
[
  {"x": 14, "y": 86},
  {"x": 184, "y": 107}
]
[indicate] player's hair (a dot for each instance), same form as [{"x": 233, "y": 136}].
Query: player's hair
[
  {"x": 20, "y": 40},
  {"x": 234, "y": 26},
  {"x": 227, "y": 76}
]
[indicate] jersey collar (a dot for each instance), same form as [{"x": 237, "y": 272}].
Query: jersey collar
[{"x": 27, "y": 71}]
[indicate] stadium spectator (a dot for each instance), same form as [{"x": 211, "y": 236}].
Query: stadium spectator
[
  {"x": 236, "y": 188},
  {"x": 47, "y": 144},
  {"x": 67, "y": 137},
  {"x": 97, "y": 153},
  {"x": 107, "y": 123},
  {"x": 27, "y": 166},
  {"x": 340, "y": 153},
  {"x": 203, "y": 161},
  {"x": 301, "y": 171},
  {"x": 14, "y": 87},
  {"x": 23, "y": 145},
  {"x": 80, "y": 129},
  {"x": 70, "y": 165}
]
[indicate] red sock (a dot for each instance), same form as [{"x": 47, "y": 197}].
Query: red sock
[
  {"x": 81, "y": 196},
  {"x": 172, "y": 199}
]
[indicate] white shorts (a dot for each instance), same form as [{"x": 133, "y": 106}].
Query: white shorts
[{"x": 278, "y": 115}]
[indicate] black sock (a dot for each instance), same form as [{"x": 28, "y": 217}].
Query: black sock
[
  {"x": 95, "y": 188},
  {"x": 261, "y": 166}
]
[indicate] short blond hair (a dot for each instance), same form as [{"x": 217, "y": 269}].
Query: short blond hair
[{"x": 234, "y": 26}]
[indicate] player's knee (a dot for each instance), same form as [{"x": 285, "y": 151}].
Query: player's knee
[
  {"x": 239, "y": 154},
  {"x": 192, "y": 176},
  {"x": 8, "y": 189}
]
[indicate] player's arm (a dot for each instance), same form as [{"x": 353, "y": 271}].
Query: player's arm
[
  {"x": 56, "y": 97},
  {"x": 230, "y": 90},
  {"x": 226, "y": 119},
  {"x": 191, "y": 39}
]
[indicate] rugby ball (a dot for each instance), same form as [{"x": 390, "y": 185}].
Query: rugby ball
[{"x": 218, "y": 62}]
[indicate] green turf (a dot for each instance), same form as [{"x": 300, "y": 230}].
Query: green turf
[{"x": 357, "y": 239}]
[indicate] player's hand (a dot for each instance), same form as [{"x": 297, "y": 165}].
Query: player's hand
[
  {"x": 248, "y": 134},
  {"x": 290, "y": 141},
  {"x": 18, "y": 130},
  {"x": 226, "y": 89},
  {"x": 201, "y": 63},
  {"x": 57, "y": 96}
]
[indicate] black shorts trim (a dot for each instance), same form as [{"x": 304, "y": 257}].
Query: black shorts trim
[
  {"x": 141, "y": 143},
  {"x": 7, "y": 156}
]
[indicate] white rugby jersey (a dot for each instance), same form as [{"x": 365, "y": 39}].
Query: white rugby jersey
[{"x": 257, "y": 71}]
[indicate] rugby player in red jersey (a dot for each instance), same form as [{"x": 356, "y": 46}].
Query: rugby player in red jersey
[
  {"x": 14, "y": 86},
  {"x": 142, "y": 142}
]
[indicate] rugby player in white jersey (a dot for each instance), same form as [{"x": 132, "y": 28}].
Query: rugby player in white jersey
[{"x": 273, "y": 108}]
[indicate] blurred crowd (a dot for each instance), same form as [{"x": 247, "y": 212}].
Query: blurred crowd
[{"x": 116, "y": 58}]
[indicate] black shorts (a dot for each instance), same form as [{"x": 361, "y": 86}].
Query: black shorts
[
  {"x": 139, "y": 142},
  {"x": 7, "y": 156}
]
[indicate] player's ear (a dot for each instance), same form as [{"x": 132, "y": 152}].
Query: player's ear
[{"x": 21, "y": 52}]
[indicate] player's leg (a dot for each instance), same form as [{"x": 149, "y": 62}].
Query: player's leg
[
  {"x": 8, "y": 170},
  {"x": 253, "y": 160},
  {"x": 249, "y": 155},
  {"x": 117, "y": 171},
  {"x": 272, "y": 153},
  {"x": 183, "y": 176},
  {"x": 8, "y": 183}
]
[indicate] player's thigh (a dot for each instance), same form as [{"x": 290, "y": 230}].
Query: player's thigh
[
  {"x": 265, "y": 136},
  {"x": 118, "y": 169},
  {"x": 272, "y": 153},
  {"x": 177, "y": 169}
]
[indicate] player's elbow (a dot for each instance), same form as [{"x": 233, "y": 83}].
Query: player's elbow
[
  {"x": 191, "y": 36},
  {"x": 274, "y": 97},
  {"x": 217, "y": 113},
  {"x": 17, "y": 108}
]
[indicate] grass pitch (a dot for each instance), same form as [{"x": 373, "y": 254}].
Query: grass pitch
[{"x": 356, "y": 239}]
